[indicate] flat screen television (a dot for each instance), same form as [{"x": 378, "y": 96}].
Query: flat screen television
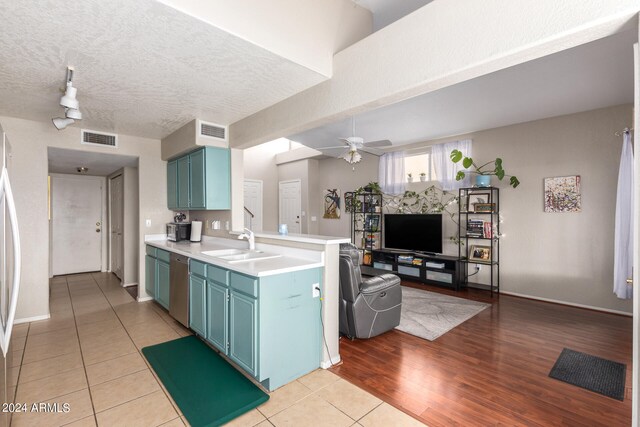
[{"x": 413, "y": 232}]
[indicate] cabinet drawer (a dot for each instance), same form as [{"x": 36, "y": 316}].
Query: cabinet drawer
[
  {"x": 163, "y": 255},
  {"x": 245, "y": 284},
  {"x": 438, "y": 276},
  {"x": 151, "y": 251},
  {"x": 198, "y": 268},
  {"x": 218, "y": 275},
  {"x": 409, "y": 271}
]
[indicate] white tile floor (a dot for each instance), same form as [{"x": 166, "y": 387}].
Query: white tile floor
[{"x": 88, "y": 355}]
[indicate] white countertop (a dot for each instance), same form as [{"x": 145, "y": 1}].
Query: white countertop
[
  {"x": 257, "y": 268},
  {"x": 303, "y": 238}
]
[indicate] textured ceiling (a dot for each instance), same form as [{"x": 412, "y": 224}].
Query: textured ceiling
[
  {"x": 386, "y": 12},
  {"x": 142, "y": 68},
  {"x": 591, "y": 76}
]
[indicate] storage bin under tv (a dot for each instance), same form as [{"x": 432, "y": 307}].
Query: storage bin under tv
[{"x": 441, "y": 270}]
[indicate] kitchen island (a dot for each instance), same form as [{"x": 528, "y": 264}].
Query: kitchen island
[{"x": 264, "y": 314}]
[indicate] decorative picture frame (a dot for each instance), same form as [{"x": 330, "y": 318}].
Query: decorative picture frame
[
  {"x": 477, "y": 198},
  {"x": 332, "y": 204},
  {"x": 480, "y": 253},
  {"x": 562, "y": 194},
  {"x": 372, "y": 223}
]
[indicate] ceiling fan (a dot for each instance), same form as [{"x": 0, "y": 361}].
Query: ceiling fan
[{"x": 354, "y": 144}]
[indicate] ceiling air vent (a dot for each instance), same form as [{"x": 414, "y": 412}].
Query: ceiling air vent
[
  {"x": 211, "y": 130},
  {"x": 99, "y": 138}
]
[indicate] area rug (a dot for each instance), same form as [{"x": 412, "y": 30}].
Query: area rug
[
  {"x": 206, "y": 388},
  {"x": 590, "y": 372},
  {"x": 428, "y": 315}
]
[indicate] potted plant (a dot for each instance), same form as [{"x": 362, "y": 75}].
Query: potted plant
[
  {"x": 484, "y": 171},
  {"x": 409, "y": 177},
  {"x": 423, "y": 177}
]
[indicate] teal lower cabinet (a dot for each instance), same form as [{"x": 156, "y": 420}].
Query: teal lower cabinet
[
  {"x": 217, "y": 315},
  {"x": 162, "y": 279},
  {"x": 243, "y": 328},
  {"x": 197, "y": 304},
  {"x": 150, "y": 275},
  {"x": 268, "y": 326}
]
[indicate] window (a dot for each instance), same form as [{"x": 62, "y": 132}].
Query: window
[{"x": 420, "y": 163}]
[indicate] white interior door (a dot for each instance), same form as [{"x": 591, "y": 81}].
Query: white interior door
[
  {"x": 76, "y": 228},
  {"x": 253, "y": 202},
  {"x": 116, "y": 214},
  {"x": 290, "y": 204}
]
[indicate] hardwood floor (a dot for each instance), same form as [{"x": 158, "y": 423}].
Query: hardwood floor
[{"x": 493, "y": 369}]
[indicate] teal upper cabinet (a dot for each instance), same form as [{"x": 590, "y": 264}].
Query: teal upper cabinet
[
  {"x": 183, "y": 182},
  {"x": 172, "y": 184},
  {"x": 203, "y": 180},
  {"x": 198, "y": 187}
]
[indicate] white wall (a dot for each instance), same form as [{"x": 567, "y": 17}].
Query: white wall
[
  {"x": 336, "y": 173},
  {"x": 566, "y": 257},
  {"x": 29, "y": 141}
]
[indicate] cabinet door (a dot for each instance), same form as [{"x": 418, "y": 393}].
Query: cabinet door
[
  {"x": 243, "y": 319},
  {"x": 198, "y": 185},
  {"x": 197, "y": 301},
  {"x": 183, "y": 182},
  {"x": 162, "y": 283},
  {"x": 218, "y": 178},
  {"x": 217, "y": 325},
  {"x": 150, "y": 275},
  {"x": 172, "y": 184}
]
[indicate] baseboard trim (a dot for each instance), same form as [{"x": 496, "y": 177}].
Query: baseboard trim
[
  {"x": 32, "y": 319},
  {"x": 329, "y": 363},
  {"x": 143, "y": 299},
  {"x": 126, "y": 285},
  {"x": 571, "y": 304}
]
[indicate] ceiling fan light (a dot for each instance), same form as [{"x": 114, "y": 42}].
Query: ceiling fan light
[
  {"x": 61, "y": 123},
  {"x": 69, "y": 100},
  {"x": 352, "y": 156},
  {"x": 72, "y": 113}
]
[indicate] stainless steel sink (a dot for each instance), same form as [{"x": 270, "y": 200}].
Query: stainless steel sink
[
  {"x": 240, "y": 255},
  {"x": 249, "y": 256},
  {"x": 224, "y": 252}
]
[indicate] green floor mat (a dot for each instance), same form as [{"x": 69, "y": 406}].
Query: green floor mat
[{"x": 206, "y": 388}]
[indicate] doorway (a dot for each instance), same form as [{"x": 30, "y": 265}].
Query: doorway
[
  {"x": 116, "y": 216},
  {"x": 77, "y": 204},
  {"x": 290, "y": 204},
  {"x": 253, "y": 204}
]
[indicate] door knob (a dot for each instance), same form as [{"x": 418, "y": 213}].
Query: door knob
[
  {"x": 97, "y": 230},
  {"x": 629, "y": 281}
]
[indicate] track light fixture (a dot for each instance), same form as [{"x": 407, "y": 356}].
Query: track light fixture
[{"x": 70, "y": 104}]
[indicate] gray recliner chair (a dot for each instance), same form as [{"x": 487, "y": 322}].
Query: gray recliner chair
[{"x": 367, "y": 307}]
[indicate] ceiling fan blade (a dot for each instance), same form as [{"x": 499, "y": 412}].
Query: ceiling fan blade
[
  {"x": 380, "y": 143},
  {"x": 333, "y": 151},
  {"x": 331, "y": 147},
  {"x": 371, "y": 151}
]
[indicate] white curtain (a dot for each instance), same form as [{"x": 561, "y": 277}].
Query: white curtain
[
  {"x": 391, "y": 172},
  {"x": 445, "y": 169},
  {"x": 623, "y": 243}
]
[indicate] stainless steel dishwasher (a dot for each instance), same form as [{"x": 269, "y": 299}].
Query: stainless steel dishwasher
[{"x": 179, "y": 289}]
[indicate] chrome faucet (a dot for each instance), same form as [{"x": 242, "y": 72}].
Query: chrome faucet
[{"x": 250, "y": 237}]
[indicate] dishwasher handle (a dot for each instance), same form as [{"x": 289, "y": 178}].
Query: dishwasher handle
[{"x": 180, "y": 259}]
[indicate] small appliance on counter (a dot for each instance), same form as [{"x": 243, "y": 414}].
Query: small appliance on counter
[
  {"x": 196, "y": 231},
  {"x": 178, "y": 231}
]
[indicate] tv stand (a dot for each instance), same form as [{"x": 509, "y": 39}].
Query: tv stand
[{"x": 441, "y": 270}]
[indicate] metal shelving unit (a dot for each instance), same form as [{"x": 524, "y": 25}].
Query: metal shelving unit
[
  {"x": 486, "y": 211},
  {"x": 366, "y": 222}
]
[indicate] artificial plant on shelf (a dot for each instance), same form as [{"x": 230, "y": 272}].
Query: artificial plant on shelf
[{"x": 493, "y": 167}]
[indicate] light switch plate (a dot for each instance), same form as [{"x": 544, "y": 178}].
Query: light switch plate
[{"x": 147, "y": 223}]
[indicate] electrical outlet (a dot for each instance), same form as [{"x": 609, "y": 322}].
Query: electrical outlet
[
  {"x": 478, "y": 267},
  {"x": 315, "y": 290}
]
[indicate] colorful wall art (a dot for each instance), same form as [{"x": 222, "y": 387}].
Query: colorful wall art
[{"x": 562, "y": 194}]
